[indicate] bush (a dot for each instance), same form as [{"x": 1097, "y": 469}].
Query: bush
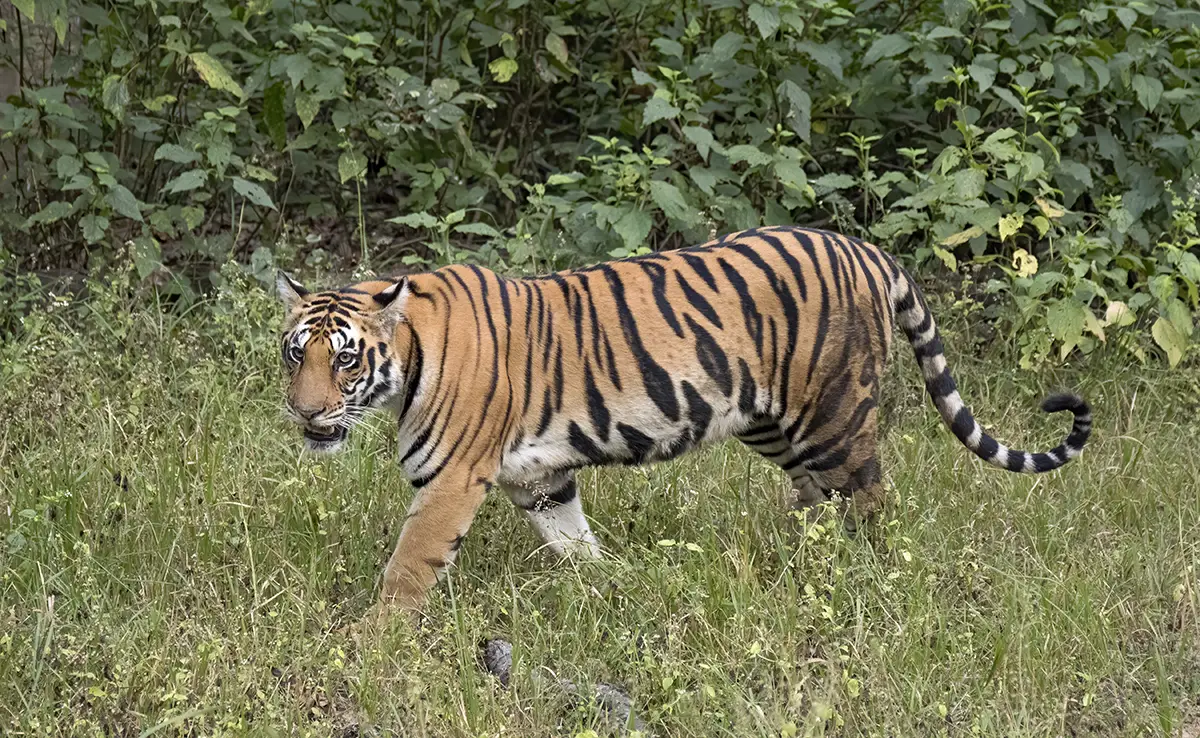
[{"x": 1045, "y": 150}]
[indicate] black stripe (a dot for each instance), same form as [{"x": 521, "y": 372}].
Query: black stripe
[
  {"x": 941, "y": 385},
  {"x": 749, "y": 391},
  {"x": 697, "y": 301},
  {"x": 576, "y": 308},
  {"x": 793, "y": 264},
  {"x": 658, "y": 383},
  {"x": 413, "y": 374},
  {"x": 929, "y": 350},
  {"x": 597, "y": 410},
  {"x": 700, "y": 413},
  {"x": 701, "y": 269},
  {"x": 1044, "y": 463},
  {"x": 502, "y": 285},
  {"x": 529, "y": 346},
  {"x": 711, "y": 357},
  {"x": 988, "y": 447},
  {"x": 558, "y": 379},
  {"x": 963, "y": 425},
  {"x": 547, "y": 411},
  {"x": 614, "y": 374},
  {"x": 658, "y": 288},
  {"x": 1016, "y": 461},
  {"x": 754, "y": 320},
  {"x": 639, "y": 444},
  {"x": 584, "y": 445}
]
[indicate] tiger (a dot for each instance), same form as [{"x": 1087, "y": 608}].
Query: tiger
[{"x": 776, "y": 336}]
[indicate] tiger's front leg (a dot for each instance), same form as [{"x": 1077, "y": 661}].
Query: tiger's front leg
[
  {"x": 556, "y": 513},
  {"x": 437, "y": 521}
]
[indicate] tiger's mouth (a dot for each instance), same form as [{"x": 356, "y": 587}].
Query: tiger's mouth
[{"x": 324, "y": 439}]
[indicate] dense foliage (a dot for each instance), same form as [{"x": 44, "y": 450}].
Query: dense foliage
[{"x": 1045, "y": 150}]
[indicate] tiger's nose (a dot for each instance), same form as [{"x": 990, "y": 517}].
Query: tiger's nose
[{"x": 307, "y": 412}]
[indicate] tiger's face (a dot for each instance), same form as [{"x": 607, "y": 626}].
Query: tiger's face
[{"x": 340, "y": 352}]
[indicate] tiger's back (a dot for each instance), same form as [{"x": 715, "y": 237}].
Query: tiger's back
[{"x": 778, "y": 336}]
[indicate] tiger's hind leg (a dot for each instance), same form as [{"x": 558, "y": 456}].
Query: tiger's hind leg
[
  {"x": 818, "y": 471},
  {"x": 556, "y": 513},
  {"x": 768, "y": 440},
  {"x": 847, "y": 465}
]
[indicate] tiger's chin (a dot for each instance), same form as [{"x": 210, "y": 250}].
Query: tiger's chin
[{"x": 325, "y": 442}]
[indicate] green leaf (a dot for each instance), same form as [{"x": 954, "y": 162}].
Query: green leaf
[
  {"x": 186, "y": 182},
  {"x": 830, "y": 182},
  {"x": 984, "y": 76},
  {"x": 93, "y": 227},
  {"x": 557, "y": 47},
  {"x": 705, "y": 179},
  {"x": 253, "y": 171},
  {"x": 727, "y": 47},
  {"x": 307, "y": 108},
  {"x": 193, "y": 216},
  {"x": 219, "y": 154},
  {"x": 444, "y": 88},
  {"x": 147, "y": 256},
  {"x": 1011, "y": 99},
  {"x": 123, "y": 201},
  {"x": 658, "y": 109},
  {"x": 957, "y": 239},
  {"x": 252, "y": 192},
  {"x": 747, "y": 153},
  {"x": 67, "y": 167},
  {"x": 668, "y": 197},
  {"x": 503, "y": 69},
  {"x": 767, "y": 19},
  {"x": 176, "y": 153},
  {"x": 1180, "y": 317},
  {"x": 114, "y": 95},
  {"x": 969, "y": 183},
  {"x": 1076, "y": 171},
  {"x": 297, "y": 67},
  {"x": 824, "y": 54},
  {"x": 1149, "y": 91},
  {"x": 633, "y": 227},
  {"x": 26, "y": 7},
  {"x": 1066, "y": 319},
  {"x": 1170, "y": 340},
  {"x": 997, "y": 145},
  {"x": 351, "y": 164},
  {"x": 1010, "y": 224},
  {"x": 701, "y": 138},
  {"x": 563, "y": 178},
  {"x": 478, "y": 229},
  {"x": 799, "y": 108},
  {"x": 885, "y": 47},
  {"x": 55, "y": 211},
  {"x": 273, "y": 115},
  {"x": 213, "y": 72},
  {"x": 416, "y": 220},
  {"x": 1127, "y": 16},
  {"x": 946, "y": 257},
  {"x": 791, "y": 174},
  {"x": 455, "y": 217}
]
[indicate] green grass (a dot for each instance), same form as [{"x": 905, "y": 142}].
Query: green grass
[{"x": 169, "y": 561}]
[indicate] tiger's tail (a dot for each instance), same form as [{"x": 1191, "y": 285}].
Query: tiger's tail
[{"x": 912, "y": 313}]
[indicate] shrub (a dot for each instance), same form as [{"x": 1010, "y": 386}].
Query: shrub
[{"x": 1046, "y": 150}]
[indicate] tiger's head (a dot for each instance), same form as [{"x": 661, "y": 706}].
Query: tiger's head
[{"x": 340, "y": 351}]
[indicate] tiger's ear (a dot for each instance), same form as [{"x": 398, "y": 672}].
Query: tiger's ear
[
  {"x": 290, "y": 291},
  {"x": 391, "y": 301}
]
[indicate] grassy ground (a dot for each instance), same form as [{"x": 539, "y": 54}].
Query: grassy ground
[{"x": 170, "y": 563}]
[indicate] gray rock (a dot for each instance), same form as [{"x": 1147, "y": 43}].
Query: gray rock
[{"x": 612, "y": 701}]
